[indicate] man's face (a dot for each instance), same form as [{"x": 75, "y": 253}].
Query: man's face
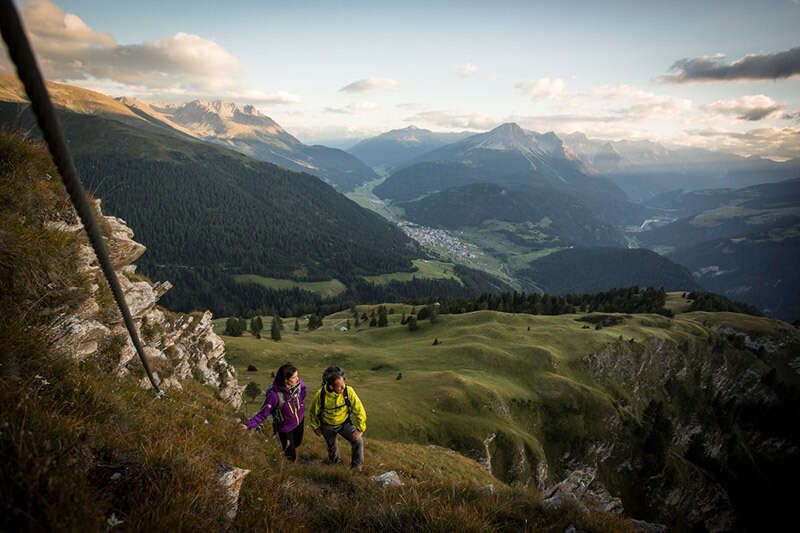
[{"x": 337, "y": 385}]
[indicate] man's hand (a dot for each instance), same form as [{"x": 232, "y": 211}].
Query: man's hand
[
  {"x": 318, "y": 432},
  {"x": 357, "y": 434}
]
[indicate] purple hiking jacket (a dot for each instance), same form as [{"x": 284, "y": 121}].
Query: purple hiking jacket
[{"x": 294, "y": 408}]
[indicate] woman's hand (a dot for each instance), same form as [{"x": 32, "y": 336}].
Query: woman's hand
[{"x": 243, "y": 427}]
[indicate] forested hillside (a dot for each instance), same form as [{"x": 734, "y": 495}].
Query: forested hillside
[{"x": 212, "y": 212}]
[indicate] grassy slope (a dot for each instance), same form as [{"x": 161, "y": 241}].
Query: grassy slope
[
  {"x": 326, "y": 289},
  {"x": 489, "y": 373},
  {"x": 81, "y": 447},
  {"x": 426, "y": 269}
]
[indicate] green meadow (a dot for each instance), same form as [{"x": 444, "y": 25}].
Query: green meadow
[{"x": 516, "y": 376}]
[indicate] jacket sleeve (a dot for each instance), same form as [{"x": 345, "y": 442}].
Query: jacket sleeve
[
  {"x": 313, "y": 411},
  {"x": 269, "y": 402},
  {"x": 302, "y": 391},
  {"x": 358, "y": 413}
]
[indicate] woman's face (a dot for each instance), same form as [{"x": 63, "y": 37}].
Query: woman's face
[{"x": 292, "y": 380}]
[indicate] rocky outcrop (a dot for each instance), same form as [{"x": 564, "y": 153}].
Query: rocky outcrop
[
  {"x": 231, "y": 480},
  {"x": 178, "y": 346},
  {"x": 721, "y": 399},
  {"x": 584, "y": 489}
]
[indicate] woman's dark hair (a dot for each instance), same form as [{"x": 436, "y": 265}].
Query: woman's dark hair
[{"x": 284, "y": 373}]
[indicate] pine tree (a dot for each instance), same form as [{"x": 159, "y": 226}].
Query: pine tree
[
  {"x": 403, "y": 318},
  {"x": 256, "y": 325},
  {"x": 296, "y": 325},
  {"x": 347, "y": 325},
  {"x": 233, "y": 327},
  {"x": 252, "y": 391},
  {"x": 358, "y": 321},
  {"x": 412, "y": 323},
  {"x": 383, "y": 319},
  {"x": 436, "y": 341},
  {"x": 275, "y": 330}
]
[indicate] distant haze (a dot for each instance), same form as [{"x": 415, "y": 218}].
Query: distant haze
[{"x": 718, "y": 75}]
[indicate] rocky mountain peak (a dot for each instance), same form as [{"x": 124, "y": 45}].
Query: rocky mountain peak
[{"x": 510, "y": 136}]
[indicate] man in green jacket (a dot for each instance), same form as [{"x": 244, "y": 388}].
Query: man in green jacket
[{"x": 337, "y": 410}]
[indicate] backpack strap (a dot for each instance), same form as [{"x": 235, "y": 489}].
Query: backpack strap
[
  {"x": 347, "y": 402},
  {"x": 322, "y": 402}
]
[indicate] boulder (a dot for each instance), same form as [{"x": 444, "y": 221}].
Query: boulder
[
  {"x": 388, "y": 479},
  {"x": 231, "y": 480}
]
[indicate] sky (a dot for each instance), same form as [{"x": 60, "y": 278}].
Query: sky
[{"x": 721, "y": 75}]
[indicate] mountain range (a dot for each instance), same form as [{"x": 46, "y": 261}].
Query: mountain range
[
  {"x": 644, "y": 168},
  {"x": 388, "y": 151},
  {"x": 509, "y": 155},
  {"x": 234, "y": 232},
  {"x": 247, "y": 130}
]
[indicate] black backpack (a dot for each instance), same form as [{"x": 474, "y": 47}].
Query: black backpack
[
  {"x": 328, "y": 375},
  {"x": 277, "y": 411}
]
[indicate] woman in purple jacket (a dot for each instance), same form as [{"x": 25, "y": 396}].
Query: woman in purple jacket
[{"x": 285, "y": 401}]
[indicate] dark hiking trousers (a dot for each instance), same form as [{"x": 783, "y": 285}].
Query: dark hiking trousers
[
  {"x": 290, "y": 441},
  {"x": 347, "y": 431}
]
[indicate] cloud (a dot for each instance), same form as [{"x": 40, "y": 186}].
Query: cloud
[
  {"x": 753, "y": 107},
  {"x": 751, "y": 67},
  {"x": 412, "y": 106},
  {"x": 774, "y": 142},
  {"x": 182, "y": 64},
  {"x": 369, "y": 84},
  {"x": 454, "y": 119},
  {"x": 466, "y": 69},
  {"x": 353, "y": 108},
  {"x": 640, "y": 104},
  {"x": 542, "y": 88}
]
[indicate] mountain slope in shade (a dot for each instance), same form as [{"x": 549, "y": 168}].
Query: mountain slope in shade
[
  {"x": 395, "y": 148},
  {"x": 589, "y": 270},
  {"x": 743, "y": 243},
  {"x": 247, "y": 130},
  {"x": 724, "y": 213},
  {"x": 759, "y": 269},
  {"x": 644, "y": 168},
  {"x": 767, "y": 195},
  {"x": 509, "y": 155},
  {"x": 558, "y": 218}
]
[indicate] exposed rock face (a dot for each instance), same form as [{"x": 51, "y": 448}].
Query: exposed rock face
[
  {"x": 721, "y": 401},
  {"x": 178, "y": 347},
  {"x": 585, "y": 489}
]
